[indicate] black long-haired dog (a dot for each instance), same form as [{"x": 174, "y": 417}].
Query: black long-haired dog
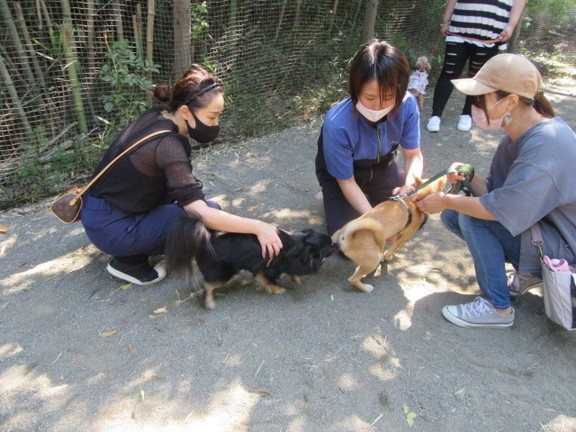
[{"x": 220, "y": 256}]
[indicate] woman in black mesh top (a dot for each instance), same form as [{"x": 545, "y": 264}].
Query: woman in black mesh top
[{"x": 129, "y": 212}]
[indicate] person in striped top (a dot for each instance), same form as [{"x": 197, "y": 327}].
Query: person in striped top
[{"x": 475, "y": 31}]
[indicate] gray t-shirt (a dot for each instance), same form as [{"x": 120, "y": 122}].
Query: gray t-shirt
[{"x": 533, "y": 179}]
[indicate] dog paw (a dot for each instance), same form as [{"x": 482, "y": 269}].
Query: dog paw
[
  {"x": 365, "y": 287},
  {"x": 296, "y": 279},
  {"x": 387, "y": 257},
  {"x": 274, "y": 289},
  {"x": 209, "y": 304},
  {"x": 378, "y": 271}
]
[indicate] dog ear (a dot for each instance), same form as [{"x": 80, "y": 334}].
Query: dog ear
[
  {"x": 315, "y": 239},
  {"x": 319, "y": 244}
]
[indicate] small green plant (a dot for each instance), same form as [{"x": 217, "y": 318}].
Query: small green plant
[{"x": 125, "y": 76}]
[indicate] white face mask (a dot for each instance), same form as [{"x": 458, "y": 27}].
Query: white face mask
[{"x": 373, "y": 115}]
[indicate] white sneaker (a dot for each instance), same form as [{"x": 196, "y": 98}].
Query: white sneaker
[
  {"x": 433, "y": 124},
  {"x": 465, "y": 123}
]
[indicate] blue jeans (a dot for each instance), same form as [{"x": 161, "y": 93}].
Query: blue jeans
[{"x": 491, "y": 246}]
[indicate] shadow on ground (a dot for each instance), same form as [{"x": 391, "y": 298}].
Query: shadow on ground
[{"x": 82, "y": 351}]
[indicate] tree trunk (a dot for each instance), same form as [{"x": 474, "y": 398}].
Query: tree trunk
[
  {"x": 182, "y": 37},
  {"x": 280, "y": 21},
  {"x": 513, "y": 40},
  {"x": 333, "y": 13},
  {"x": 151, "y": 15},
  {"x": 233, "y": 14},
  {"x": 72, "y": 65},
  {"x": 118, "y": 20},
  {"x": 369, "y": 20},
  {"x": 137, "y": 24},
  {"x": 29, "y": 46},
  {"x": 15, "y": 37},
  {"x": 9, "y": 85}
]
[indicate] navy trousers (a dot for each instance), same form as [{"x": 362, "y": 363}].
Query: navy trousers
[{"x": 122, "y": 234}]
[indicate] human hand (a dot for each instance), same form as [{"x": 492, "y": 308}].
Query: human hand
[
  {"x": 453, "y": 175},
  {"x": 434, "y": 203},
  {"x": 269, "y": 241},
  {"x": 402, "y": 190},
  {"x": 506, "y": 33},
  {"x": 444, "y": 29}
]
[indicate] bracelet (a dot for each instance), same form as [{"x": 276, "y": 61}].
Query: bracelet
[{"x": 445, "y": 24}]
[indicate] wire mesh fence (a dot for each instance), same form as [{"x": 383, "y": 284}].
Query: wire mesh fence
[{"x": 74, "y": 72}]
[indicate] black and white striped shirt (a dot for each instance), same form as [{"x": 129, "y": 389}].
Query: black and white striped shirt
[{"x": 479, "y": 19}]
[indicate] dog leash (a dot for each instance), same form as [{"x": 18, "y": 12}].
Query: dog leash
[
  {"x": 423, "y": 185},
  {"x": 465, "y": 186}
]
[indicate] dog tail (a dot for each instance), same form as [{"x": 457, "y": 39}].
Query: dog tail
[
  {"x": 188, "y": 238},
  {"x": 360, "y": 224}
]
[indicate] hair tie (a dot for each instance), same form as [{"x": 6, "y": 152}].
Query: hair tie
[{"x": 539, "y": 94}]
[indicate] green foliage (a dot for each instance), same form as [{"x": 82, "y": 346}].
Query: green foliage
[
  {"x": 49, "y": 172},
  {"x": 127, "y": 83},
  {"x": 197, "y": 20},
  {"x": 558, "y": 9},
  {"x": 274, "y": 101},
  {"x": 277, "y": 72}
]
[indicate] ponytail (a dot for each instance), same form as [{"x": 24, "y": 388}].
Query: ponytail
[{"x": 543, "y": 105}]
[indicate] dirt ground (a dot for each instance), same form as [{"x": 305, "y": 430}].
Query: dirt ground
[{"x": 81, "y": 351}]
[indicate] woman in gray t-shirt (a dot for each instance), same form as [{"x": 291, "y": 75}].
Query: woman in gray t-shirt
[{"x": 530, "y": 181}]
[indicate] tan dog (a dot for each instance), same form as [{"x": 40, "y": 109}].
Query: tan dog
[{"x": 363, "y": 239}]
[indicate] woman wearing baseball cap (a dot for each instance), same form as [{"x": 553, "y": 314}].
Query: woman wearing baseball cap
[{"x": 531, "y": 180}]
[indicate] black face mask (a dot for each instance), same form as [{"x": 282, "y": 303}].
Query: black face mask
[{"x": 202, "y": 133}]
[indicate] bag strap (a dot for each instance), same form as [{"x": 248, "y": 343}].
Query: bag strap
[
  {"x": 537, "y": 239},
  {"x": 113, "y": 161}
]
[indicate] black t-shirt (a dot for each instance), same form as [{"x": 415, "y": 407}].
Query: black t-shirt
[{"x": 157, "y": 172}]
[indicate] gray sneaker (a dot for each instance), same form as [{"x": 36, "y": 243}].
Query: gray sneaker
[
  {"x": 520, "y": 283},
  {"x": 479, "y": 313}
]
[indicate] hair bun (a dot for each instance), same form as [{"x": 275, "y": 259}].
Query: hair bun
[{"x": 163, "y": 92}]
